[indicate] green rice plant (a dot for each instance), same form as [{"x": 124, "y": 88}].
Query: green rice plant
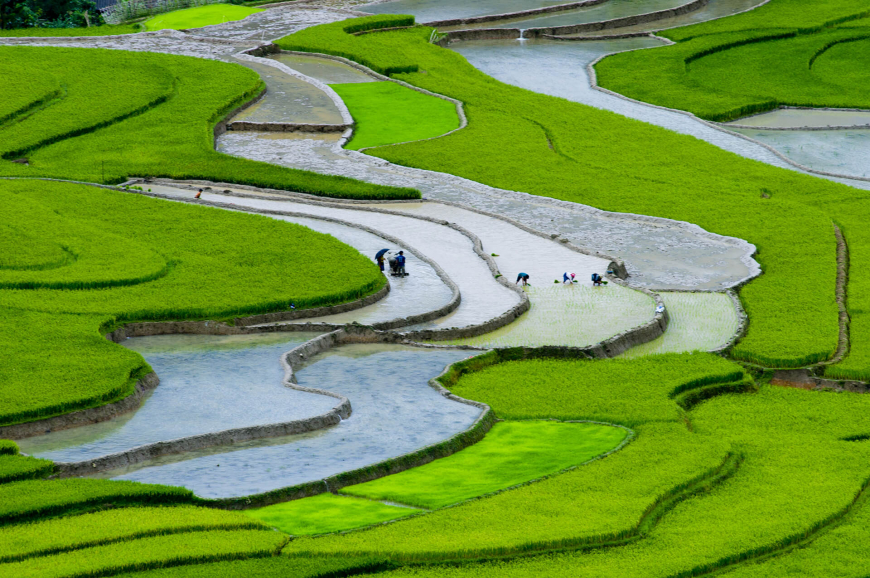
[
  {"x": 199, "y": 16},
  {"x": 158, "y": 122},
  {"x": 8, "y": 448},
  {"x": 30, "y": 90},
  {"x": 48, "y": 325},
  {"x": 327, "y": 513},
  {"x": 387, "y": 113},
  {"x": 369, "y": 50},
  {"x": 604, "y": 502},
  {"x": 58, "y": 535},
  {"x": 44, "y": 371},
  {"x": 777, "y": 14},
  {"x": 148, "y": 553},
  {"x": 511, "y": 453},
  {"x": 86, "y": 103},
  {"x": 726, "y": 76},
  {"x": 629, "y": 392},
  {"x": 792, "y": 309},
  {"x": 796, "y": 480},
  {"x": 271, "y": 567},
  {"x": 37, "y": 498},
  {"x": 105, "y": 30},
  {"x": 14, "y": 468}
]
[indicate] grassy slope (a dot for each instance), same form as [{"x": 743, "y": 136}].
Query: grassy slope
[
  {"x": 510, "y": 454},
  {"x": 47, "y": 326},
  {"x": 106, "y": 30},
  {"x": 327, "y": 513},
  {"x": 791, "y": 307},
  {"x": 174, "y": 138},
  {"x": 797, "y": 472},
  {"x": 388, "y": 113},
  {"x": 199, "y": 16}
]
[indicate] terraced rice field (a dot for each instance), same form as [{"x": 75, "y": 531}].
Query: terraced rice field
[{"x": 204, "y": 371}]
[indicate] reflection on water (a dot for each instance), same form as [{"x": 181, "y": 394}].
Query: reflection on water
[
  {"x": 432, "y": 10},
  {"x": 289, "y": 100},
  {"x": 394, "y": 412},
  {"x": 597, "y": 13},
  {"x": 207, "y": 384},
  {"x": 323, "y": 69},
  {"x": 842, "y": 152},
  {"x": 803, "y": 117},
  {"x": 698, "y": 322}
]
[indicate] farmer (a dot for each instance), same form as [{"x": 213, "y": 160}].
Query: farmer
[
  {"x": 400, "y": 264},
  {"x": 566, "y": 279},
  {"x": 524, "y": 277},
  {"x": 380, "y": 260},
  {"x": 596, "y": 280},
  {"x": 198, "y": 194}
]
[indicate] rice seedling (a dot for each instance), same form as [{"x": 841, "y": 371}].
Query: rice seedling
[
  {"x": 327, "y": 513},
  {"x": 510, "y": 454},
  {"x": 271, "y": 567}
]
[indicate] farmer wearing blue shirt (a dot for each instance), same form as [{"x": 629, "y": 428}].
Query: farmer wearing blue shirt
[{"x": 400, "y": 263}]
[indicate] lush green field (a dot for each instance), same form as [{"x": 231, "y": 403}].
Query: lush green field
[
  {"x": 387, "y": 113},
  {"x": 139, "y": 114},
  {"x": 510, "y": 454},
  {"x": 14, "y": 467},
  {"x": 199, "y": 16},
  {"x": 105, "y": 30},
  {"x": 728, "y": 75},
  {"x": 84, "y": 272},
  {"x": 794, "y": 473},
  {"x": 327, "y": 513},
  {"x": 792, "y": 308}
]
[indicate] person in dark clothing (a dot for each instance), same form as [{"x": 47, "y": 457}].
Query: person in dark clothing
[
  {"x": 400, "y": 264},
  {"x": 596, "y": 280},
  {"x": 524, "y": 277},
  {"x": 380, "y": 260}
]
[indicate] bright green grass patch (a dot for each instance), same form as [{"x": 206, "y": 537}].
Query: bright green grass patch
[
  {"x": 388, "y": 113},
  {"x": 38, "y": 498},
  {"x": 87, "y": 530},
  {"x": 543, "y": 148},
  {"x": 105, "y": 30},
  {"x": 510, "y": 454},
  {"x": 122, "y": 114},
  {"x": 199, "y": 16},
  {"x": 327, "y": 513},
  {"x": 147, "y": 553},
  {"x": 178, "y": 262}
]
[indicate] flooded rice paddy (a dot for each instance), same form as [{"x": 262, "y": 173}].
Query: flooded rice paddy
[
  {"x": 289, "y": 100},
  {"x": 323, "y": 69},
  {"x": 797, "y": 118},
  {"x": 434, "y": 10},
  {"x": 698, "y": 322},
  {"x": 841, "y": 152},
  {"x": 575, "y": 315},
  {"x": 395, "y": 411},
  {"x": 207, "y": 384},
  {"x": 608, "y": 10}
]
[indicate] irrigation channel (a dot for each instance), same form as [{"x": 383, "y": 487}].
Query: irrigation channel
[{"x": 221, "y": 382}]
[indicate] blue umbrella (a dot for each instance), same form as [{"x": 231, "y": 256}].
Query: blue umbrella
[{"x": 380, "y": 253}]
